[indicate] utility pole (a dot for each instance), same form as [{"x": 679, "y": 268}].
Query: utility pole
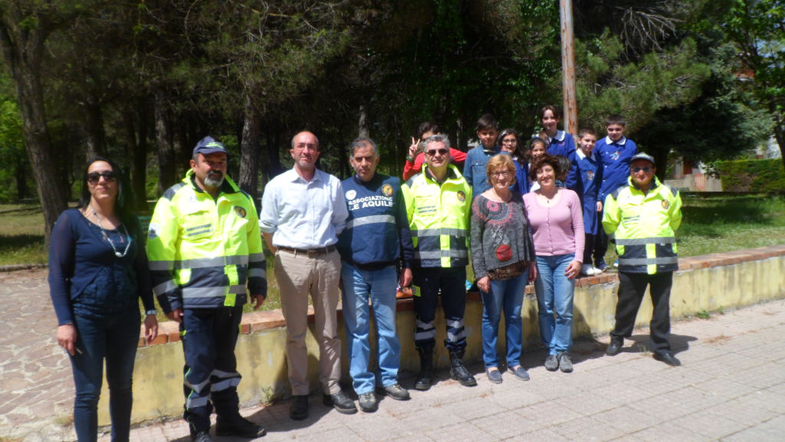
[{"x": 568, "y": 67}]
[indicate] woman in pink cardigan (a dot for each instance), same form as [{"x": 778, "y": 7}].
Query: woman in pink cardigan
[{"x": 556, "y": 220}]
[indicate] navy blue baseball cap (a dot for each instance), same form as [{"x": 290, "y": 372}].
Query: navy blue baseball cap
[
  {"x": 643, "y": 156},
  {"x": 209, "y": 145}
]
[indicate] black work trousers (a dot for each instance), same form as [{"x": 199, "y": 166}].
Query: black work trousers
[
  {"x": 632, "y": 287},
  {"x": 451, "y": 284}
]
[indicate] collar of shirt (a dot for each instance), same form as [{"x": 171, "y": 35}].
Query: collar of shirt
[
  {"x": 560, "y": 136},
  {"x": 492, "y": 151},
  {"x": 294, "y": 176},
  {"x": 622, "y": 141},
  {"x": 582, "y": 155},
  {"x": 451, "y": 174}
]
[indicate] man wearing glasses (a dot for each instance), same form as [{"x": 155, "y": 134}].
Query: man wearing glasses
[
  {"x": 438, "y": 206},
  {"x": 303, "y": 211},
  {"x": 644, "y": 216}
]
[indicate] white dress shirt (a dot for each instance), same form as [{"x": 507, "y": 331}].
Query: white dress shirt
[{"x": 303, "y": 214}]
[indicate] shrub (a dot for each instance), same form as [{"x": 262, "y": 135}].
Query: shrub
[{"x": 752, "y": 175}]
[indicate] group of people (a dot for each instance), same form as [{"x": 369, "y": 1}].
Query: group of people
[{"x": 521, "y": 215}]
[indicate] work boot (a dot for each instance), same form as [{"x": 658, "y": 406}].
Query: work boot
[
  {"x": 425, "y": 376},
  {"x": 459, "y": 372},
  {"x": 238, "y": 426}
]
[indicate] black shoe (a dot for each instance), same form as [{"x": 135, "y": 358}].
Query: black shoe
[
  {"x": 298, "y": 410},
  {"x": 425, "y": 376},
  {"x": 459, "y": 372},
  {"x": 340, "y": 402},
  {"x": 615, "y": 346},
  {"x": 238, "y": 426},
  {"x": 396, "y": 392},
  {"x": 668, "y": 358},
  {"x": 368, "y": 402},
  {"x": 201, "y": 436}
]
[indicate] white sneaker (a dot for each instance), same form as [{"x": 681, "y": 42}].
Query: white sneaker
[{"x": 588, "y": 270}]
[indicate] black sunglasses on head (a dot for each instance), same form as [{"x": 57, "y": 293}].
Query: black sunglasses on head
[{"x": 108, "y": 175}]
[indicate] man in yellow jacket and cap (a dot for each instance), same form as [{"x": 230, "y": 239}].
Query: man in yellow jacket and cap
[{"x": 643, "y": 217}]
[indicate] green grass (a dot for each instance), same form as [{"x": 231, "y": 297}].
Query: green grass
[
  {"x": 723, "y": 224},
  {"x": 711, "y": 225},
  {"x": 21, "y": 235}
]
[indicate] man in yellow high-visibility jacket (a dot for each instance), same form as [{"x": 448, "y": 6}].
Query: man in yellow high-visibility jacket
[
  {"x": 438, "y": 204},
  {"x": 643, "y": 216},
  {"x": 205, "y": 251}
]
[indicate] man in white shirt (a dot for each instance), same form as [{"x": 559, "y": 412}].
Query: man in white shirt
[{"x": 303, "y": 211}]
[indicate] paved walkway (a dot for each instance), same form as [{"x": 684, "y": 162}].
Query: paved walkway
[{"x": 731, "y": 387}]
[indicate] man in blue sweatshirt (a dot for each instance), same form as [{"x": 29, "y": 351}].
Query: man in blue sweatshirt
[{"x": 376, "y": 239}]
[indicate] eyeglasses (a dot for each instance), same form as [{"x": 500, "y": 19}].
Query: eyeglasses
[
  {"x": 638, "y": 169},
  {"x": 94, "y": 177},
  {"x": 433, "y": 152},
  {"x": 502, "y": 173}
]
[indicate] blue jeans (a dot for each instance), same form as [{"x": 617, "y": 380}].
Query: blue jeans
[
  {"x": 380, "y": 287},
  {"x": 113, "y": 338},
  {"x": 508, "y": 295},
  {"x": 554, "y": 298}
]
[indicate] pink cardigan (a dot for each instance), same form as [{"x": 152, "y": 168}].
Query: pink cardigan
[{"x": 557, "y": 230}]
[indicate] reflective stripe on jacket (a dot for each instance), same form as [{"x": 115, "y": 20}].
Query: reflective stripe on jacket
[
  {"x": 439, "y": 218},
  {"x": 203, "y": 251},
  {"x": 644, "y": 226}
]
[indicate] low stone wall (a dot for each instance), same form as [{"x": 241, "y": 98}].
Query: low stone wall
[{"x": 704, "y": 283}]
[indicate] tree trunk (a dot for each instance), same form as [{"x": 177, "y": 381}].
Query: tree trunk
[
  {"x": 363, "y": 123},
  {"x": 250, "y": 150},
  {"x": 94, "y": 128},
  {"x": 163, "y": 136},
  {"x": 182, "y": 148},
  {"x": 21, "y": 179},
  {"x": 273, "y": 159},
  {"x": 23, "y": 52},
  {"x": 137, "y": 153},
  {"x": 779, "y": 135}
]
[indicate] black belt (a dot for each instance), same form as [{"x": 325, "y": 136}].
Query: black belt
[{"x": 310, "y": 252}]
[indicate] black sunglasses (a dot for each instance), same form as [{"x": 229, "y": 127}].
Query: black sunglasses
[
  {"x": 108, "y": 175},
  {"x": 638, "y": 169},
  {"x": 433, "y": 152}
]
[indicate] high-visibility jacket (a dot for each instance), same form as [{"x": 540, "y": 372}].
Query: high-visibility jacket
[
  {"x": 644, "y": 225},
  {"x": 203, "y": 251},
  {"x": 439, "y": 218}
]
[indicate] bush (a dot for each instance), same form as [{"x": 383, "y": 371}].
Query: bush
[{"x": 752, "y": 175}]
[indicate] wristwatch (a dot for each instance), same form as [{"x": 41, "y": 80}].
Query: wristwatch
[{"x": 152, "y": 312}]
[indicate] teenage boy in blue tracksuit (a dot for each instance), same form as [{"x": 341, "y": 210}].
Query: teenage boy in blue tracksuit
[
  {"x": 615, "y": 152},
  {"x": 585, "y": 178},
  {"x": 474, "y": 169},
  {"x": 376, "y": 239}
]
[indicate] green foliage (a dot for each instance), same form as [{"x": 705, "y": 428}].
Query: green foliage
[
  {"x": 14, "y": 173},
  {"x": 757, "y": 29},
  {"x": 636, "y": 89},
  {"x": 719, "y": 125},
  {"x": 752, "y": 175}
]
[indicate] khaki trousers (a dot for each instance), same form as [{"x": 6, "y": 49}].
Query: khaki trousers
[{"x": 299, "y": 275}]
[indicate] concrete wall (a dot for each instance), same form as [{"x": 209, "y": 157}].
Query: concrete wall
[{"x": 706, "y": 283}]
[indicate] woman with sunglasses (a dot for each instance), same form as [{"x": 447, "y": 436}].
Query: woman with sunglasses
[{"x": 97, "y": 274}]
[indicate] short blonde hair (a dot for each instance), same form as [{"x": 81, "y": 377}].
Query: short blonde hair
[{"x": 501, "y": 161}]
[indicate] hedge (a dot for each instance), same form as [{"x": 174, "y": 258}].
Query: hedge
[{"x": 752, "y": 175}]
